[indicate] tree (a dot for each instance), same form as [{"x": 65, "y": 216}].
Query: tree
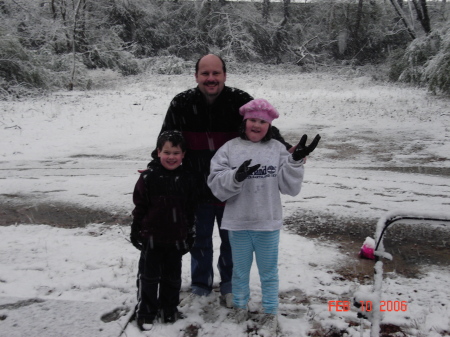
[
  {"x": 286, "y": 12},
  {"x": 359, "y": 14},
  {"x": 421, "y": 9},
  {"x": 266, "y": 10},
  {"x": 74, "y": 40},
  {"x": 409, "y": 27},
  {"x": 422, "y": 15},
  {"x": 444, "y": 10}
]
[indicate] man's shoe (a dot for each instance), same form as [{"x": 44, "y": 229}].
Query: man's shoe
[
  {"x": 238, "y": 315},
  {"x": 269, "y": 325},
  {"x": 188, "y": 300}
]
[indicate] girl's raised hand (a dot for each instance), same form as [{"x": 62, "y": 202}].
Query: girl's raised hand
[{"x": 301, "y": 151}]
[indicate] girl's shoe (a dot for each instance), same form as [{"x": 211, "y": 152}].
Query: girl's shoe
[
  {"x": 238, "y": 315},
  {"x": 269, "y": 324}
]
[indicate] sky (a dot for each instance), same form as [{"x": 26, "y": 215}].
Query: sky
[{"x": 384, "y": 150}]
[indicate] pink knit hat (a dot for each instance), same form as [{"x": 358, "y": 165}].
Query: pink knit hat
[{"x": 259, "y": 108}]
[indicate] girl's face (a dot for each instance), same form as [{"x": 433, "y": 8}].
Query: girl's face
[
  {"x": 256, "y": 129},
  {"x": 170, "y": 156}
]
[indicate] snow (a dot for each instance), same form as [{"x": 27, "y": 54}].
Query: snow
[{"x": 379, "y": 143}]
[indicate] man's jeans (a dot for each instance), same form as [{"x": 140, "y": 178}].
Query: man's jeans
[{"x": 202, "y": 273}]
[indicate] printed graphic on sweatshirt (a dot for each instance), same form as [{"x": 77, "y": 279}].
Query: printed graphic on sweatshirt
[{"x": 264, "y": 172}]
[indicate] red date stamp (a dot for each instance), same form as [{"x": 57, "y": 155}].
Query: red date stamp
[{"x": 368, "y": 306}]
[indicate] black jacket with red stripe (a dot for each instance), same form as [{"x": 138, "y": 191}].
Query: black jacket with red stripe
[{"x": 206, "y": 127}]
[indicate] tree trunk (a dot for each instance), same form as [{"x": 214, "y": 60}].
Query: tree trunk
[
  {"x": 266, "y": 10},
  {"x": 422, "y": 15},
  {"x": 286, "y": 13},
  {"x": 400, "y": 13},
  {"x": 74, "y": 35},
  {"x": 208, "y": 10},
  {"x": 358, "y": 18},
  {"x": 443, "y": 9},
  {"x": 54, "y": 13},
  {"x": 81, "y": 31},
  {"x": 63, "y": 11}
]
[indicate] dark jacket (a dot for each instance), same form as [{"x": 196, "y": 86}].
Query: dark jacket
[
  {"x": 165, "y": 204},
  {"x": 206, "y": 128}
]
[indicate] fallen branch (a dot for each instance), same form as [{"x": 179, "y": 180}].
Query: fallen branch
[{"x": 13, "y": 127}]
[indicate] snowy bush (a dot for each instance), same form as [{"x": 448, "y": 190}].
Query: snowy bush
[
  {"x": 43, "y": 43},
  {"x": 16, "y": 63},
  {"x": 417, "y": 54},
  {"x": 437, "y": 69},
  {"x": 19, "y": 69},
  {"x": 397, "y": 64},
  {"x": 168, "y": 65},
  {"x": 426, "y": 62}
]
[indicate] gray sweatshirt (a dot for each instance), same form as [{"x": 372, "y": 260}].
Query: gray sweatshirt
[{"x": 255, "y": 203}]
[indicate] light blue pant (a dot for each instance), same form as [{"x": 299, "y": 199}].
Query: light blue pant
[{"x": 265, "y": 246}]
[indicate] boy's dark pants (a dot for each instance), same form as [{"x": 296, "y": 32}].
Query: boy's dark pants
[{"x": 158, "y": 266}]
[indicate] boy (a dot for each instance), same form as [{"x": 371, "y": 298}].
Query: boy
[{"x": 163, "y": 229}]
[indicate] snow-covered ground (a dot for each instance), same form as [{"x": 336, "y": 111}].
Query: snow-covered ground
[{"x": 383, "y": 148}]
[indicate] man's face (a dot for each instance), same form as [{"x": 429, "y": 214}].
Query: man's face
[{"x": 210, "y": 77}]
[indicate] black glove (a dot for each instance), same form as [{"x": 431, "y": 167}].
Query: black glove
[
  {"x": 244, "y": 170},
  {"x": 188, "y": 244},
  {"x": 301, "y": 151},
  {"x": 135, "y": 237}
]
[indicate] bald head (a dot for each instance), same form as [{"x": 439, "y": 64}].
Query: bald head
[
  {"x": 211, "y": 56},
  {"x": 210, "y": 75}
]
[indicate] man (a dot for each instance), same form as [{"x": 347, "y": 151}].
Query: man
[{"x": 208, "y": 116}]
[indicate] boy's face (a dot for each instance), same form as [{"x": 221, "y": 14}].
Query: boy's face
[
  {"x": 256, "y": 129},
  {"x": 170, "y": 156}
]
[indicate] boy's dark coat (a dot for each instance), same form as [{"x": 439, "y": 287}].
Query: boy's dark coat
[{"x": 165, "y": 203}]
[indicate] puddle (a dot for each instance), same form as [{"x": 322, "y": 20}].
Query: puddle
[
  {"x": 57, "y": 214},
  {"x": 414, "y": 247},
  {"x": 20, "y": 304},
  {"x": 97, "y": 156}
]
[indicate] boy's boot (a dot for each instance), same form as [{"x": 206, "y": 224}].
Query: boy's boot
[
  {"x": 171, "y": 316},
  {"x": 145, "y": 323}
]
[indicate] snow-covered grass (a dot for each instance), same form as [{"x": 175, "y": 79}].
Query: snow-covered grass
[{"x": 84, "y": 148}]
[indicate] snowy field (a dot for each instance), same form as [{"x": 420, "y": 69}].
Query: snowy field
[{"x": 384, "y": 148}]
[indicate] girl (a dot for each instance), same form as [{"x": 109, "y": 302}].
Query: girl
[{"x": 253, "y": 211}]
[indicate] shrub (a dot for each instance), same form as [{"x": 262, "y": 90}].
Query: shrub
[
  {"x": 169, "y": 65},
  {"x": 437, "y": 70},
  {"x": 397, "y": 64},
  {"x": 416, "y": 55},
  {"x": 425, "y": 62}
]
